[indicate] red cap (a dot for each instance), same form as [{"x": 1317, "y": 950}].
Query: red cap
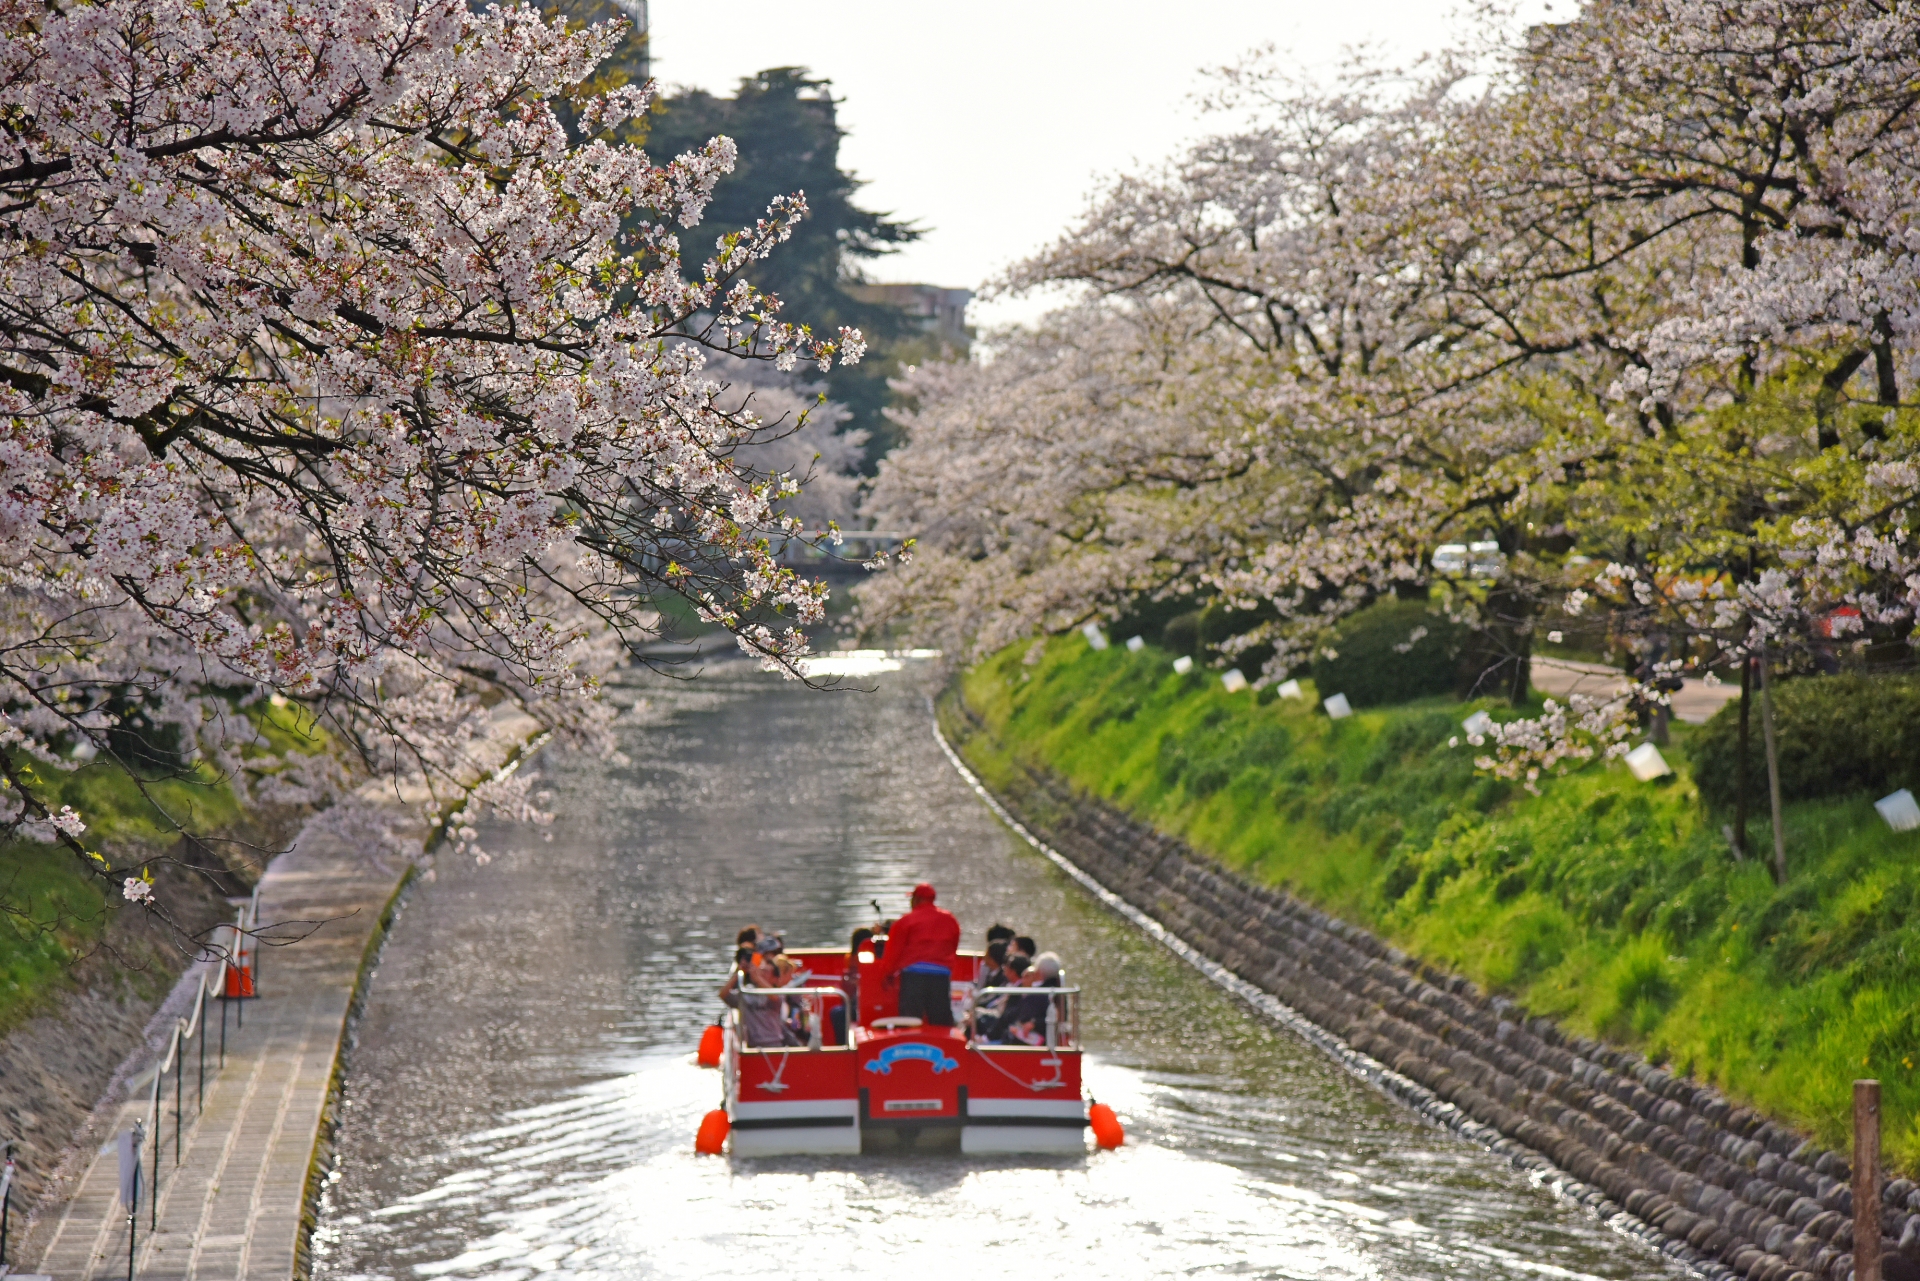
[{"x": 923, "y": 891}]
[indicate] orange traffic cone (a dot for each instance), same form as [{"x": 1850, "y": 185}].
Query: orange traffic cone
[
  {"x": 713, "y": 1133},
  {"x": 1107, "y": 1130},
  {"x": 712, "y": 1041}
]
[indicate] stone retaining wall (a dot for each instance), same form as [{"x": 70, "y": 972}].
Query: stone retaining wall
[{"x": 1724, "y": 1189}]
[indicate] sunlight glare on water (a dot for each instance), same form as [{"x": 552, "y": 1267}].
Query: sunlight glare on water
[{"x": 521, "y": 1095}]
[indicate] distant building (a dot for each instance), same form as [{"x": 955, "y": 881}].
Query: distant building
[
  {"x": 940, "y": 313},
  {"x": 636, "y": 11}
]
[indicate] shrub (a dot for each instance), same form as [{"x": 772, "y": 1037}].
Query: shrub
[
  {"x": 1181, "y": 635},
  {"x": 1371, "y": 668},
  {"x": 1836, "y": 734}
]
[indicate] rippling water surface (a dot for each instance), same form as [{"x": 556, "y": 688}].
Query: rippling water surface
[{"x": 522, "y": 1099}]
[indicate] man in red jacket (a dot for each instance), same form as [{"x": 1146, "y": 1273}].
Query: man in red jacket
[{"x": 919, "y": 957}]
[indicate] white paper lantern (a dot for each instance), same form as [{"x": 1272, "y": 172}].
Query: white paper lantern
[
  {"x": 1095, "y": 637},
  {"x": 1234, "y": 679},
  {"x": 1291, "y": 689},
  {"x": 1900, "y": 810},
  {"x": 1646, "y": 763},
  {"x": 1338, "y": 707},
  {"x": 1137, "y": 644},
  {"x": 1182, "y": 665}
]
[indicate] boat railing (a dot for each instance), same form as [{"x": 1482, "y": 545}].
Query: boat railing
[
  {"x": 1063, "y": 1014},
  {"x": 816, "y": 1007}
]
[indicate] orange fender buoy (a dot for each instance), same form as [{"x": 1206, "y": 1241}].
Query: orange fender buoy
[
  {"x": 713, "y": 1133},
  {"x": 1107, "y": 1130},
  {"x": 711, "y": 1042}
]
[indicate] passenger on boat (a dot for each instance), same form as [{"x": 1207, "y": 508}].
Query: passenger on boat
[
  {"x": 1024, "y": 1020},
  {"x": 762, "y": 1015},
  {"x": 861, "y": 941},
  {"x": 1025, "y": 946},
  {"x": 773, "y": 950},
  {"x": 991, "y": 1008},
  {"x": 919, "y": 959},
  {"x": 997, "y": 933},
  {"x": 994, "y": 972}
]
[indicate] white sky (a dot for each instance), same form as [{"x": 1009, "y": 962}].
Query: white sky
[{"x": 990, "y": 122}]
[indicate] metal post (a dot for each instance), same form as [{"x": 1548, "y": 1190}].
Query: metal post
[
  {"x": 201, "y": 1037},
  {"x": 6, "y": 1202},
  {"x": 223, "y": 1026},
  {"x": 153, "y": 1185},
  {"x": 133, "y": 1218},
  {"x": 177, "y": 1111}
]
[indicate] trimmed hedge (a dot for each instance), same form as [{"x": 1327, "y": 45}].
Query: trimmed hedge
[
  {"x": 1836, "y": 734},
  {"x": 1371, "y": 669}
]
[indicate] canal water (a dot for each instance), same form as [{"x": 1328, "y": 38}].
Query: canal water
[{"x": 521, "y": 1095}]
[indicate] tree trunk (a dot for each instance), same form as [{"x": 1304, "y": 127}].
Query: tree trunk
[
  {"x": 1521, "y": 684},
  {"x": 1773, "y": 775},
  {"x": 1742, "y": 780}
]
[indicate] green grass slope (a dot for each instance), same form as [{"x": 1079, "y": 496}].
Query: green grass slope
[
  {"x": 1610, "y": 904},
  {"x": 55, "y": 912}
]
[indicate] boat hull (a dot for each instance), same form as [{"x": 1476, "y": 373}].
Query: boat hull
[{"x": 921, "y": 1091}]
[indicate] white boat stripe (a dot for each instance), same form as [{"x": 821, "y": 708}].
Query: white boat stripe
[
  {"x": 1026, "y": 1107},
  {"x": 744, "y": 1111}
]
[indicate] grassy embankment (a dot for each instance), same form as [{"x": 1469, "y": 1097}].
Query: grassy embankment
[
  {"x": 57, "y": 913},
  {"x": 1608, "y": 904}
]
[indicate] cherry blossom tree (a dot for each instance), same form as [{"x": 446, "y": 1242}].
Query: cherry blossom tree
[
  {"x": 1631, "y": 294},
  {"x": 351, "y": 360}
]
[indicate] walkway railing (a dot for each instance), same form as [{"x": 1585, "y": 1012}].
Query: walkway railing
[{"x": 234, "y": 980}]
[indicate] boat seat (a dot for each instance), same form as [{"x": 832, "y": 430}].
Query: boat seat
[{"x": 898, "y": 1021}]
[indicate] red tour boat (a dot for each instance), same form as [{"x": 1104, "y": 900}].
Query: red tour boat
[{"x": 898, "y": 1083}]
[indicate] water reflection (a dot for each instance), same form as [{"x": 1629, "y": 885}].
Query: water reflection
[{"x": 522, "y": 1098}]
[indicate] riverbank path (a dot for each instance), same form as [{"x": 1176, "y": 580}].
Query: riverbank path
[
  {"x": 232, "y": 1208},
  {"x": 1694, "y": 702}
]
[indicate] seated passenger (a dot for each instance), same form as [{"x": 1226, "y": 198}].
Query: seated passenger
[
  {"x": 1024, "y": 1022},
  {"x": 1025, "y": 946},
  {"x": 989, "y": 1019},
  {"x": 762, "y": 1017},
  {"x": 993, "y": 973},
  {"x": 998, "y": 934},
  {"x": 773, "y": 949},
  {"x": 861, "y": 941}
]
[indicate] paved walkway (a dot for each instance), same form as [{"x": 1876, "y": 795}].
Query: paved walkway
[
  {"x": 232, "y": 1208},
  {"x": 1694, "y": 702}
]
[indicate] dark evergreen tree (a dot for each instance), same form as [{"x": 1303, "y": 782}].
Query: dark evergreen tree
[{"x": 784, "y": 123}]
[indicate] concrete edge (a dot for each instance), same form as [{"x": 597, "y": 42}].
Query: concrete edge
[
  {"x": 1364, "y": 1066},
  {"x": 320, "y": 1162}
]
